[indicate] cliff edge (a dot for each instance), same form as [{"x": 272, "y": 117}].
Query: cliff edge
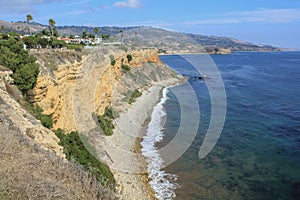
[{"x": 107, "y": 81}]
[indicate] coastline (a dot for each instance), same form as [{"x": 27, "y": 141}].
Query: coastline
[{"x": 123, "y": 148}]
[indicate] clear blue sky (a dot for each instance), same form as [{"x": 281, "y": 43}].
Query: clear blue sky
[{"x": 275, "y": 22}]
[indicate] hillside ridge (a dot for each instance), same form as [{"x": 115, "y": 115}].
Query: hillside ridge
[{"x": 136, "y": 35}]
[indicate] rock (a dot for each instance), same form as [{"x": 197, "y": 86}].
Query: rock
[
  {"x": 56, "y": 89},
  {"x": 16, "y": 116}
]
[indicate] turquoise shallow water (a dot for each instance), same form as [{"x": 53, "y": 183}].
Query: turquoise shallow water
[{"x": 258, "y": 153}]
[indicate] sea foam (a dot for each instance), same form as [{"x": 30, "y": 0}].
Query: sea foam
[{"x": 161, "y": 182}]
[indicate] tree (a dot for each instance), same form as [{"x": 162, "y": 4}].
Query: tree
[
  {"x": 28, "y": 19},
  {"x": 96, "y": 30},
  {"x": 24, "y": 67},
  {"x": 51, "y": 26},
  {"x": 45, "y": 32},
  {"x": 25, "y": 76},
  {"x": 105, "y": 36},
  {"x": 90, "y": 35},
  {"x": 84, "y": 34},
  {"x": 55, "y": 43},
  {"x": 30, "y": 42}
]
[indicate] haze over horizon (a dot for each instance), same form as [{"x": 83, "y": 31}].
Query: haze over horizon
[{"x": 266, "y": 22}]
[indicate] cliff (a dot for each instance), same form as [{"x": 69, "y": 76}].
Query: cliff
[
  {"x": 95, "y": 77},
  {"x": 31, "y": 164},
  {"x": 16, "y": 116}
]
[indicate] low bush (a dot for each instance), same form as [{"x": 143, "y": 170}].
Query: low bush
[
  {"x": 132, "y": 96},
  {"x": 37, "y": 112},
  {"x": 129, "y": 58},
  {"x": 76, "y": 47},
  {"x": 125, "y": 68},
  {"x": 105, "y": 120},
  {"x": 106, "y": 125},
  {"x": 76, "y": 147},
  {"x": 111, "y": 113},
  {"x": 112, "y": 60}
]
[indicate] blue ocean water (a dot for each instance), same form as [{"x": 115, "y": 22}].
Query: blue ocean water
[{"x": 258, "y": 153}]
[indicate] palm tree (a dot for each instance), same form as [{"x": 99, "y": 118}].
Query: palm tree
[
  {"x": 28, "y": 19},
  {"x": 51, "y": 25},
  {"x": 96, "y": 30}
]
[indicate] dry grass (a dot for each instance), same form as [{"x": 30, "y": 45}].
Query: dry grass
[{"x": 29, "y": 172}]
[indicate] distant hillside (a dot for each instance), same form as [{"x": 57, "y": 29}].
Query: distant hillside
[
  {"x": 77, "y": 30},
  {"x": 231, "y": 43},
  {"x": 63, "y": 30},
  {"x": 167, "y": 41}
]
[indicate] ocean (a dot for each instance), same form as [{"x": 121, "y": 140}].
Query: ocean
[{"x": 257, "y": 152}]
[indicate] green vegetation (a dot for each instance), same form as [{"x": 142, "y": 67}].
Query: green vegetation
[
  {"x": 111, "y": 113},
  {"x": 77, "y": 147},
  {"x": 28, "y": 19},
  {"x": 52, "y": 26},
  {"x": 37, "y": 112},
  {"x": 106, "y": 125},
  {"x": 112, "y": 60},
  {"x": 129, "y": 58},
  {"x": 96, "y": 30},
  {"x": 23, "y": 66},
  {"x": 132, "y": 96},
  {"x": 34, "y": 42},
  {"x": 76, "y": 47},
  {"x": 25, "y": 72},
  {"x": 105, "y": 120},
  {"x": 87, "y": 35},
  {"x": 125, "y": 68}
]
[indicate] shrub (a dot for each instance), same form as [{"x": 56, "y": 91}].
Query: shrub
[
  {"x": 132, "y": 96},
  {"x": 112, "y": 60},
  {"x": 76, "y": 47},
  {"x": 77, "y": 147},
  {"x": 111, "y": 113},
  {"x": 105, "y": 120},
  {"x": 129, "y": 58},
  {"x": 23, "y": 66},
  {"x": 125, "y": 68},
  {"x": 106, "y": 125},
  {"x": 37, "y": 112}
]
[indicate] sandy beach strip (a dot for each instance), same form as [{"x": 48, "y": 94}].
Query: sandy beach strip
[{"x": 122, "y": 149}]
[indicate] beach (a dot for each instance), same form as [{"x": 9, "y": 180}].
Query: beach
[{"x": 123, "y": 149}]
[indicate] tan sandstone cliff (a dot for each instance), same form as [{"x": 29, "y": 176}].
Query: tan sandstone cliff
[
  {"x": 63, "y": 76},
  {"x": 30, "y": 127}
]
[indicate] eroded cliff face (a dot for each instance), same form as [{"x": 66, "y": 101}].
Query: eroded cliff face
[
  {"x": 92, "y": 77},
  {"x": 13, "y": 115}
]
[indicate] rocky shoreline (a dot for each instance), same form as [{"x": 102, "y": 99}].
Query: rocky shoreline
[{"x": 124, "y": 150}]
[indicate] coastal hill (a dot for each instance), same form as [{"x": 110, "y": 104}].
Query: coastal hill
[
  {"x": 40, "y": 163},
  {"x": 165, "y": 40},
  {"x": 231, "y": 43}
]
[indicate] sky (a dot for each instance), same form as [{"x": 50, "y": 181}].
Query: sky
[{"x": 274, "y": 22}]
